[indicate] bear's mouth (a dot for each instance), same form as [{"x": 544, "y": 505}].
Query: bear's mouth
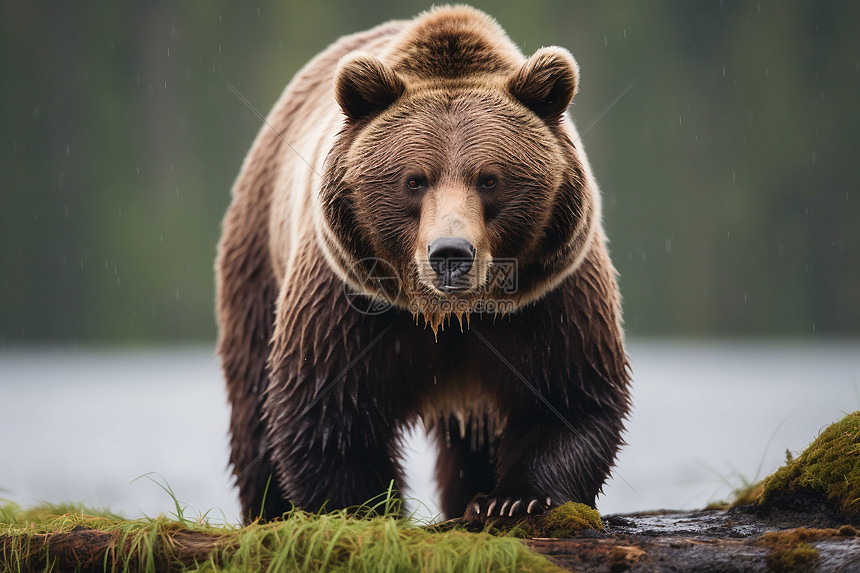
[
  {"x": 458, "y": 285},
  {"x": 447, "y": 286}
]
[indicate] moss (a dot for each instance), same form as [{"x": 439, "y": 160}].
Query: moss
[
  {"x": 571, "y": 518},
  {"x": 798, "y": 558},
  {"x": 12, "y": 514},
  {"x": 790, "y": 550},
  {"x": 829, "y": 467}
]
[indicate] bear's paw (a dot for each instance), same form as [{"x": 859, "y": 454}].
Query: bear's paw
[{"x": 485, "y": 507}]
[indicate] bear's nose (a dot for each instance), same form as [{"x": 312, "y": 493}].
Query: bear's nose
[{"x": 451, "y": 257}]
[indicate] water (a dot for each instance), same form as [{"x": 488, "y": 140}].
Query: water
[{"x": 82, "y": 425}]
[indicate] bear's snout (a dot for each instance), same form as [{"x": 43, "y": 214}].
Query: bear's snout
[{"x": 451, "y": 258}]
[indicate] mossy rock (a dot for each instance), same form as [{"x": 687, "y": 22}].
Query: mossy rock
[
  {"x": 571, "y": 518},
  {"x": 828, "y": 470},
  {"x": 792, "y": 550},
  {"x": 566, "y": 520}
]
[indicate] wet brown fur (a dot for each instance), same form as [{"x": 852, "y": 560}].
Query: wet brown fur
[{"x": 320, "y": 391}]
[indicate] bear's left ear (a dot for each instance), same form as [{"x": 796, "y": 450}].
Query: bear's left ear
[
  {"x": 365, "y": 86},
  {"x": 546, "y": 82}
]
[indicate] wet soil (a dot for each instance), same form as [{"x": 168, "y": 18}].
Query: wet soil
[{"x": 739, "y": 540}]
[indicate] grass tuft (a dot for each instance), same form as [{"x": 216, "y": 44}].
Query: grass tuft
[{"x": 44, "y": 538}]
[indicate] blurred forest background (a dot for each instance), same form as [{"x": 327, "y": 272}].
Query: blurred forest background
[{"x": 729, "y": 168}]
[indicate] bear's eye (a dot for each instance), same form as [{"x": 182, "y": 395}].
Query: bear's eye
[
  {"x": 415, "y": 183},
  {"x": 487, "y": 182}
]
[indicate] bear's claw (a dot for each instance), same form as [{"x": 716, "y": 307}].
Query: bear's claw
[{"x": 482, "y": 507}]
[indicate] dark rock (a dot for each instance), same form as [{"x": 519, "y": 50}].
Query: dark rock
[{"x": 737, "y": 540}]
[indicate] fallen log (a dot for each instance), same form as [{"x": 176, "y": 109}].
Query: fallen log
[{"x": 85, "y": 549}]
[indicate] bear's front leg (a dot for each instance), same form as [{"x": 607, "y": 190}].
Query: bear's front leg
[
  {"x": 330, "y": 412},
  {"x": 547, "y": 458},
  {"x": 330, "y": 455}
]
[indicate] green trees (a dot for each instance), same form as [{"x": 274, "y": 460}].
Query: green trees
[{"x": 732, "y": 194}]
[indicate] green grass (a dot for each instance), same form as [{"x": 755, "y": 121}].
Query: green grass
[{"x": 337, "y": 541}]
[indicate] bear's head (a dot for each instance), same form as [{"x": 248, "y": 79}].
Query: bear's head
[{"x": 468, "y": 185}]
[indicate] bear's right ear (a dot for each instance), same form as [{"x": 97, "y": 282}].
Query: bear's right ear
[
  {"x": 546, "y": 82},
  {"x": 365, "y": 86}
]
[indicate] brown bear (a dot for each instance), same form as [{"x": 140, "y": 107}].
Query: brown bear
[{"x": 416, "y": 236}]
